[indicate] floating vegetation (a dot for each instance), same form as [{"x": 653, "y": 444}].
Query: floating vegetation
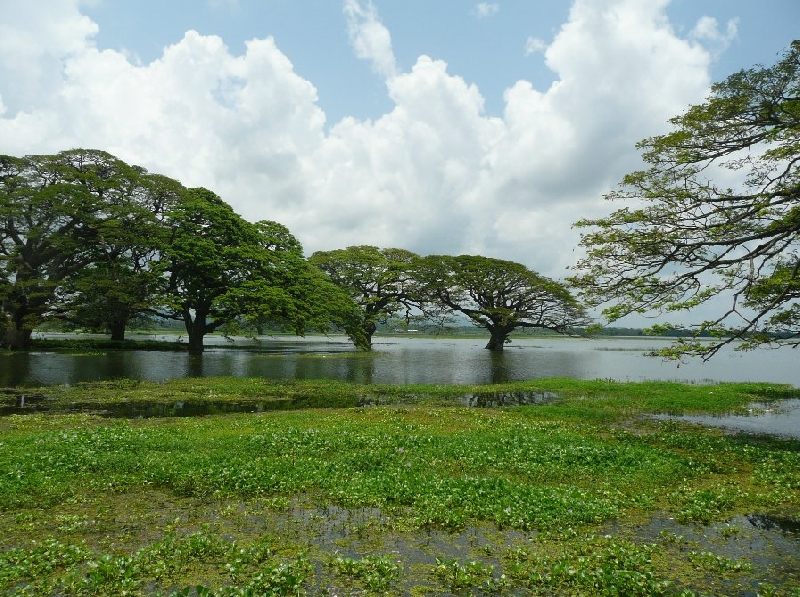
[{"x": 580, "y": 494}]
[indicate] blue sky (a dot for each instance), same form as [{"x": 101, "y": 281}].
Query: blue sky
[
  {"x": 487, "y": 48},
  {"x": 440, "y": 127}
]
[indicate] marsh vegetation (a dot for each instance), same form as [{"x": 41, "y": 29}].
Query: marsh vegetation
[{"x": 582, "y": 494}]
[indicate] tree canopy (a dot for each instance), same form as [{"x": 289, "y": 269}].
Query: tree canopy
[
  {"x": 716, "y": 214},
  {"x": 378, "y": 280},
  {"x": 88, "y": 239},
  {"x": 498, "y": 295},
  {"x": 91, "y": 240},
  {"x": 58, "y": 215},
  {"x": 220, "y": 271}
]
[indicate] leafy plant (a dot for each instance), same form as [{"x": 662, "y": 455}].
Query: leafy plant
[{"x": 374, "y": 573}]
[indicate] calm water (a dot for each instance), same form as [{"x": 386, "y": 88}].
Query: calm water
[
  {"x": 403, "y": 361},
  {"x": 776, "y": 418}
]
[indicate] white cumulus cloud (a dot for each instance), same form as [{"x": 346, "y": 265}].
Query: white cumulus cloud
[
  {"x": 534, "y": 45},
  {"x": 435, "y": 174},
  {"x": 371, "y": 40},
  {"x": 707, "y": 31}
]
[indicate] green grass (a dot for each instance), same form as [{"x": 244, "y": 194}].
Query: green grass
[
  {"x": 91, "y": 345},
  {"x": 411, "y": 497},
  {"x": 603, "y": 400}
]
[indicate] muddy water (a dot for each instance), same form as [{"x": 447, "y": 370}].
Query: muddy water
[{"x": 770, "y": 544}]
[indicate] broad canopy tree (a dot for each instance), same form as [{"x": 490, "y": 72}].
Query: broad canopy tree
[
  {"x": 199, "y": 261},
  {"x": 220, "y": 270},
  {"x": 716, "y": 214},
  {"x": 86, "y": 238},
  {"x": 57, "y": 214},
  {"x": 120, "y": 283},
  {"x": 378, "y": 280},
  {"x": 498, "y": 295},
  {"x": 286, "y": 289}
]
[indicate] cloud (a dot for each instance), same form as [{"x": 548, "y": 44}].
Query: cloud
[
  {"x": 435, "y": 174},
  {"x": 707, "y": 32},
  {"x": 534, "y": 45},
  {"x": 485, "y": 9},
  {"x": 34, "y": 39},
  {"x": 370, "y": 39}
]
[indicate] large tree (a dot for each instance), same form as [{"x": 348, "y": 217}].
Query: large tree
[
  {"x": 203, "y": 262},
  {"x": 716, "y": 214},
  {"x": 291, "y": 292},
  {"x": 498, "y": 295},
  {"x": 57, "y": 214},
  {"x": 379, "y": 280},
  {"x": 220, "y": 270},
  {"x": 120, "y": 283}
]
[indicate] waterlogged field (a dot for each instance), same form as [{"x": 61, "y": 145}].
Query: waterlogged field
[{"x": 580, "y": 495}]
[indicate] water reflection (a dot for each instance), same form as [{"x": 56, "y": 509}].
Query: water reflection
[
  {"x": 784, "y": 524},
  {"x": 401, "y": 361},
  {"x": 494, "y": 399},
  {"x": 781, "y": 418}
]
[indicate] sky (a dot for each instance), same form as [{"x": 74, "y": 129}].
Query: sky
[{"x": 441, "y": 127}]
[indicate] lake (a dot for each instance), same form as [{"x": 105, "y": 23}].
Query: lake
[{"x": 402, "y": 360}]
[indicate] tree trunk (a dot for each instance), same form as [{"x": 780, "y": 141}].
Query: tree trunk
[
  {"x": 369, "y": 329},
  {"x": 16, "y": 337},
  {"x": 498, "y": 339},
  {"x": 196, "y": 328},
  {"x": 117, "y": 330}
]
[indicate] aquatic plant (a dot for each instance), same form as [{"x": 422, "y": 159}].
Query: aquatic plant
[{"x": 551, "y": 498}]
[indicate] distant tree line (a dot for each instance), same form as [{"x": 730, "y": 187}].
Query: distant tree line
[{"x": 88, "y": 240}]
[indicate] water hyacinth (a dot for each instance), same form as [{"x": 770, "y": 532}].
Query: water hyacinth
[{"x": 583, "y": 495}]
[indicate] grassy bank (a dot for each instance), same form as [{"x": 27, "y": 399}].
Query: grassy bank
[{"x": 581, "y": 495}]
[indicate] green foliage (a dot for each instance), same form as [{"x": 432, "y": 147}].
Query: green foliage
[
  {"x": 20, "y": 565},
  {"x": 221, "y": 271},
  {"x": 598, "y": 566},
  {"x": 204, "y": 259},
  {"x": 90, "y": 240},
  {"x": 60, "y": 568},
  {"x": 379, "y": 281},
  {"x": 542, "y": 499},
  {"x": 498, "y": 295},
  {"x": 457, "y": 576},
  {"x": 375, "y": 573},
  {"x": 60, "y": 215},
  {"x": 703, "y": 506},
  {"x": 716, "y": 564},
  {"x": 692, "y": 239}
]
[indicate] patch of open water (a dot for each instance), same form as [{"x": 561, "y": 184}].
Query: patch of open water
[
  {"x": 770, "y": 544},
  {"x": 781, "y": 418},
  {"x": 401, "y": 360}
]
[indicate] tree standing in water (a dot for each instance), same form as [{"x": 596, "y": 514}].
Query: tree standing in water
[{"x": 498, "y": 295}]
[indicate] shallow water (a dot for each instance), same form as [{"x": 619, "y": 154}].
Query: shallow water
[
  {"x": 780, "y": 418},
  {"x": 405, "y": 360},
  {"x": 771, "y": 544}
]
